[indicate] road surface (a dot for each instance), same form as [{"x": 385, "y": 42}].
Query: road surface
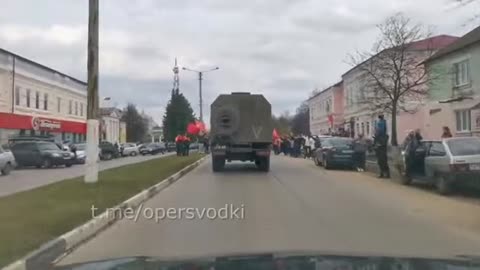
[
  {"x": 28, "y": 178},
  {"x": 295, "y": 207}
]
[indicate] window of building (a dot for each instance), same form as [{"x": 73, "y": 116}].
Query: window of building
[
  {"x": 463, "y": 119},
  {"x": 76, "y": 108},
  {"x": 70, "y": 106},
  {"x": 59, "y": 104},
  {"x": 81, "y": 109},
  {"x": 368, "y": 128},
  {"x": 37, "y": 100},
  {"x": 461, "y": 71},
  {"x": 17, "y": 95},
  {"x": 363, "y": 128},
  {"x": 28, "y": 97},
  {"x": 45, "y": 102}
]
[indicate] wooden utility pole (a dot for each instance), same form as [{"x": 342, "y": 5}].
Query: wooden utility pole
[{"x": 91, "y": 174}]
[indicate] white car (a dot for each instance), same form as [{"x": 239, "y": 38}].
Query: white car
[
  {"x": 130, "y": 149},
  {"x": 7, "y": 161}
]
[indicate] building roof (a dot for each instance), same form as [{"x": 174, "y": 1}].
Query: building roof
[
  {"x": 466, "y": 40},
  {"x": 432, "y": 43},
  {"x": 324, "y": 90},
  {"x": 41, "y": 66},
  {"x": 107, "y": 111}
]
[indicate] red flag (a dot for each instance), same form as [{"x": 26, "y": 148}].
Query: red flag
[
  {"x": 200, "y": 125},
  {"x": 330, "y": 119},
  {"x": 192, "y": 129},
  {"x": 275, "y": 134}
]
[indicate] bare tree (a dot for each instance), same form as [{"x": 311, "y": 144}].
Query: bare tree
[
  {"x": 393, "y": 78},
  {"x": 300, "y": 122}
]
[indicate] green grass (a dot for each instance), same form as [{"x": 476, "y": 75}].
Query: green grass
[{"x": 32, "y": 218}]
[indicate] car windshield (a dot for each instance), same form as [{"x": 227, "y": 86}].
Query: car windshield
[
  {"x": 48, "y": 146},
  {"x": 464, "y": 147},
  {"x": 237, "y": 127}
]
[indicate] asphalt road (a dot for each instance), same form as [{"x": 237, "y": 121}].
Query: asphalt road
[
  {"x": 295, "y": 207},
  {"x": 28, "y": 178}
]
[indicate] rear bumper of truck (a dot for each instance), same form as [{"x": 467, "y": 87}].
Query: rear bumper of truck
[{"x": 240, "y": 153}]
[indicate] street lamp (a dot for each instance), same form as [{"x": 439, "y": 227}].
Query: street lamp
[{"x": 200, "y": 78}]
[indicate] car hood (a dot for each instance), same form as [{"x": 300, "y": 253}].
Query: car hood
[{"x": 281, "y": 261}]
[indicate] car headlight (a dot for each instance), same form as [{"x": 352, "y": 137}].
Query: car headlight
[{"x": 56, "y": 155}]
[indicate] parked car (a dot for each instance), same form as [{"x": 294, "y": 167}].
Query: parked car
[
  {"x": 444, "y": 163},
  {"x": 81, "y": 153},
  {"x": 334, "y": 151},
  {"x": 108, "y": 151},
  {"x": 7, "y": 161},
  {"x": 41, "y": 154},
  {"x": 171, "y": 146},
  {"x": 130, "y": 149},
  {"x": 153, "y": 149}
]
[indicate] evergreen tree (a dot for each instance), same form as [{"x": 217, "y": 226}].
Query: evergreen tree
[{"x": 177, "y": 116}]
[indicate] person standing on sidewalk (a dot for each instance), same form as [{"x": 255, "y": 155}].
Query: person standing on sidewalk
[
  {"x": 381, "y": 142},
  {"x": 360, "y": 147}
]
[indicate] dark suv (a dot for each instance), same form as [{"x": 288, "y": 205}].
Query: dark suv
[{"x": 41, "y": 154}]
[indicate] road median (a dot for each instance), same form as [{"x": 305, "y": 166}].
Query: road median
[{"x": 48, "y": 214}]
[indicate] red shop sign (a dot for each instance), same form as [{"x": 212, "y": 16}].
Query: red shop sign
[
  {"x": 18, "y": 121},
  {"x": 46, "y": 124}
]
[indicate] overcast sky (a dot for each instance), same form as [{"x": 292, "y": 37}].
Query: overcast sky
[{"x": 280, "y": 48}]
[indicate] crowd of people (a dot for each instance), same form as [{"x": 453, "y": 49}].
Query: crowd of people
[{"x": 182, "y": 143}]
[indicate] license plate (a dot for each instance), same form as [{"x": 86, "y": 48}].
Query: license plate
[
  {"x": 475, "y": 167},
  {"x": 347, "y": 151}
]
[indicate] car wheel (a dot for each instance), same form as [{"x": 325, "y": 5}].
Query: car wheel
[
  {"x": 326, "y": 164},
  {"x": 7, "y": 169},
  {"x": 443, "y": 185},
  {"x": 315, "y": 159},
  {"x": 68, "y": 165},
  {"x": 47, "y": 163},
  {"x": 133, "y": 154}
]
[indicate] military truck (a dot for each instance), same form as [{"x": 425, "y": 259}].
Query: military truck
[{"x": 241, "y": 129}]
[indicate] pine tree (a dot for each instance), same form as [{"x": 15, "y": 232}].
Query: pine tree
[{"x": 177, "y": 116}]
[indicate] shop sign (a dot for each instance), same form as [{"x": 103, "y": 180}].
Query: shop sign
[{"x": 45, "y": 124}]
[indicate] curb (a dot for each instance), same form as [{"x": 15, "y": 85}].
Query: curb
[{"x": 43, "y": 257}]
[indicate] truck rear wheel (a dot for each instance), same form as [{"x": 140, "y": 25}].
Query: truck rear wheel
[
  {"x": 263, "y": 163},
  {"x": 218, "y": 163}
]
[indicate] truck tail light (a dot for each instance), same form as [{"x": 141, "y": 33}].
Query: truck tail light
[{"x": 459, "y": 167}]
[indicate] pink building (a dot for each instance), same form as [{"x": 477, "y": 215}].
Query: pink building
[
  {"x": 326, "y": 110},
  {"x": 361, "y": 118}
]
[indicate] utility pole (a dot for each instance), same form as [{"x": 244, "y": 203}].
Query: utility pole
[
  {"x": 91, "y": 174},
  {"x": 200, "y": 79}
]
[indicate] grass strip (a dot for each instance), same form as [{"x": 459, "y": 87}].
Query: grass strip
[{"x": 31, "y": 218}]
